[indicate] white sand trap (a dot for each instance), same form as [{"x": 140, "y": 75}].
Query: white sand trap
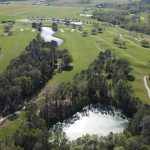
[
  {"x": 136, "y": 39},
  {"x": 142, "y": 18},
  {"x": 62, "y": 30},
  {"x": 72, "y": 30},
  {"x": 21, "y": 29},
  {"x": 24, "y": 20},
  {"x": 121, "y": 35},
  {"x": 33, "y": 30}
]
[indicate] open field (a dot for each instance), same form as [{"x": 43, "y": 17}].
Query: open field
[
  {"x": 83, "y": 49},
  {"x": 92, "y": 2},
  {"x": 19, "y": 11},
  {"x": 12, "y": 46},
  {"x": 8, "y": 128}
]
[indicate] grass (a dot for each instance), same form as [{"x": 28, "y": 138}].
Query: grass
[
  {"x": 8, "y": 128},
  {"x": 85, "y": 50},
  {"x": 144, "y": 18},
  {"x": 12, "y": 46},
  {"x": 137, "y": 55},
  {"x": 82, "y": 51},
  {"x": 18, "y": 11}
]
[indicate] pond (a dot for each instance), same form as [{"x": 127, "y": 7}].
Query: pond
[
  {"x": 86, "y": 15},
  {"x": 94, "y": 120},
  {"x": 48, "y": 35}
]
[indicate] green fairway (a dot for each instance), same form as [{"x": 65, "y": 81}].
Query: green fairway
[
  {"x": 85, "y": 49},
  {"x": 12, "y": 46},
  {"x": 82, "y": 50},
  {"x": 137, "y": 55},
  {"x": 19, "y": 11}
]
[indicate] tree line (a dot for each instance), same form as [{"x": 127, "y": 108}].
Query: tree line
[
  {"x": 106, "y": 82},
  {"x": 29, "y": 72},
  {"x": 122, "y": 19}
]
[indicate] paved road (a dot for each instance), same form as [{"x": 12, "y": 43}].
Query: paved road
[{"x": 146, "y": 85}]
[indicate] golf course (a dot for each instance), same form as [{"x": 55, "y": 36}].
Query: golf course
[{"x": 84, "y": 50}]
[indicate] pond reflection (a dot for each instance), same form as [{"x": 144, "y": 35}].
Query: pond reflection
[{"x": 93, "y": 119}]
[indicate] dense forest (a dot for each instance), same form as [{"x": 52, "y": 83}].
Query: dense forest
[
  {"x": 27, "y": 74},
  {"x": 123, "y": 18},
  {"x": 104, "y": 82}
]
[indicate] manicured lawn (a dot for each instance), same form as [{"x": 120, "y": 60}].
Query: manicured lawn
[
  {"x": 18, "y": 11},
  {"x": 85, "y": 49},
  {"x": 12, "y": 46},
  {"x": 137, "y": 55}
]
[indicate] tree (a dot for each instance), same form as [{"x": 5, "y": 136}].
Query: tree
[
  {"x": 58, "y": 140},
  {"x": 115, "y": 40},
  {"x": 85, "y": 1},
  {"x": 121, "y": 44},
  {"x": 145, "y": 43},
  {"x": 84, "y": 34},
  {"x": 54, "y": 26},
  {"x": 145, "y": 132},
  {"x": 121, "y": 139},
  {"x": 94, "y": 32},
  {"x": 31, "y": 110},
  {"x": 39, "y": 26},
  {"x": 99, "y": 30},
  {"x": 7, "y": 28},
  {"x": 123, "y": 95},
  {"x": 25, "y": 83},
  {"x": 131, "y": 144},
  {"x": 65, "y": 59},
  {"x": 96, "y": 25}
]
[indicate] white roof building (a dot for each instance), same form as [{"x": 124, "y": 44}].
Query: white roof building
[{"x": 76, "y": 23}]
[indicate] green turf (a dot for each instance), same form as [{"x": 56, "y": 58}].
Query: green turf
[
  {"x": 18, "y": 11},
  {"x": 144, "y": 17},
  {"x": 12, "y": 46},
  {"x": 85, "y": 50}
]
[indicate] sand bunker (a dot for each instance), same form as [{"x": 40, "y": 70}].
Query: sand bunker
[
  {"x": 62, "y": 30},
  {"x": 72, "y": 30}
]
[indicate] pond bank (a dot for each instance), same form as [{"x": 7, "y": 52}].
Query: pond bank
[{"x": 93, "y": 119}]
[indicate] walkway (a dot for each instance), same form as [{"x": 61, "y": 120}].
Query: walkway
[{"x": 146, "y": 85}]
